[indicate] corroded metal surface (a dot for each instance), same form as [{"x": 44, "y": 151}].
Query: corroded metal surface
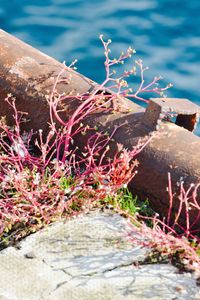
[{"x": 29, "y": 75}]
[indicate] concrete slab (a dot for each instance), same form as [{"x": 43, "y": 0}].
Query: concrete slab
[{"x": 88, "y": 258}]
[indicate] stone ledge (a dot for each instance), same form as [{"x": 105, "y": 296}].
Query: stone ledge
[{"x": 88, "y": 258}]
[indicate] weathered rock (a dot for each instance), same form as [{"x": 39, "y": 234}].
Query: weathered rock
[{"x": 88, "y": 258}]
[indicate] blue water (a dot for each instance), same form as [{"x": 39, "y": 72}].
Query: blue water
[{"x": 165, "y": 33}]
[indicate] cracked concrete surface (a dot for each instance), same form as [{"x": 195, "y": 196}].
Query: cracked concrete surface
[{"x": 88, "y": 258}]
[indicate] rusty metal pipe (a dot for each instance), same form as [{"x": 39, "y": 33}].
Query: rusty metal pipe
[{"x": 29, "y": 75}]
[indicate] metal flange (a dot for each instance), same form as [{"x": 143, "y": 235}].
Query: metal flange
[{"x": 164, "y": 109}]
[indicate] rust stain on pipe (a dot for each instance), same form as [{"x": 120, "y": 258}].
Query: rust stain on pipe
[{"x": 29, "y": 75}]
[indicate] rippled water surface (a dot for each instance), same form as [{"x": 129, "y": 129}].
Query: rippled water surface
[{"x": 165, "y": 33}]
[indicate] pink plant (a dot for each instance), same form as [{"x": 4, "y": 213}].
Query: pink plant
[
  {"x": 189, "y": 207},
  {"x": 31, "y": 187},
  {"x": 171, "y": 238},
  {"x": 59, "y": 181}
]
